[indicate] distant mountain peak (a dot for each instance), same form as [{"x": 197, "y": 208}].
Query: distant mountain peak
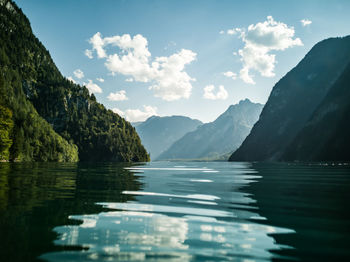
[
  {"x": 157, "y": 133},
  {"x": 223, "y": 135},
  {"x": 245, "y": 101}
]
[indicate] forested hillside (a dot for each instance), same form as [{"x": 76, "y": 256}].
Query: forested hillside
[{"x": 44, "y": 116}]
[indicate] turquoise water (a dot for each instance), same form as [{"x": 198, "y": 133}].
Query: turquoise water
[{"x": 168, "y": 211}]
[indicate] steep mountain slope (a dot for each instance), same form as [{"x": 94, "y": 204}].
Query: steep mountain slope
[
  {"x": 159, "y": 133},
  {"x": 294, "y": 99},
  {"x": 30, "y": 78},
  {"x": 213, "y": 139},
  {"x": 24, "y": 135},
  {"x": 326, "y": 136}
]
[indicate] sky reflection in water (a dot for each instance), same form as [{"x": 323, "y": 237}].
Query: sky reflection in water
[{"x": 196, "y": 211}]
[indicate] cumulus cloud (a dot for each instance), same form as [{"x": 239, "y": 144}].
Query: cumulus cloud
[
  {"x": 71, "y": 79},
  {"x": 230, "y": 74},
  {"x": 209, "y": 93},
  {"x": 92, "y": 87},
  {"x": 78, "y": 73},
  {"x": 171, "y": 82},
  {"x": 118, "y": 111},
  {"x": 166, "y": 75},
  {"x": 118, "y": 96},
  {"x": 97, "y": 44},
  {"x": 136, "y": 115},
  {"x": 233, "y": 31},
  {"x": 259, "y": 40},
  {"x": 305, "y": 22},
  {"x": 100, "y": 79},
  {"x": 88, "y": 53}
]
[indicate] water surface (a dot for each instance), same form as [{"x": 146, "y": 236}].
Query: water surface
[{"x": 166, "y": 211}]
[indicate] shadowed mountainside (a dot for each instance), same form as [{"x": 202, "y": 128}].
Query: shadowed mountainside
[{"x": 292, "y": 104}]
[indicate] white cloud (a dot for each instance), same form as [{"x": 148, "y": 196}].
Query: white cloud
[
  {"x": 100, "y": 79},
  {"x": 222, "y": 32},
  {"x": 92, "y": 87},
  {"x": 230, "y": 75},
  {"x": 118, "y": 111},
  {"x": 171, "y": 82},
  {"x": 305, "y": 22},
  {"x": 231, "y": 32},
  {"x": 78, "y": 73},
  {"x": 209, "y": 93},
  {"x": 260, "y": 39},
  {"x": 168, "y": 79},
  {"x": 136, "y": 115},
  {"x": 97, "y": 44},
  {"x": 129, "y": 80},
  {"x": 244, "y": 75},
  {"x": 71, "y": 79},
  {"x": 118, "y": 96},
  {"x": 88, "y": 53}
]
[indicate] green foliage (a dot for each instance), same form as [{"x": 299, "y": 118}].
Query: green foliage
[
  {"x": 25, "y": 136},
  {"x": 6, "y": 125},
  {"x": 48, "y": 110}
]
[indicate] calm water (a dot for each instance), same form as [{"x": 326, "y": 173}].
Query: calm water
[{"x": 174, "y": 212}]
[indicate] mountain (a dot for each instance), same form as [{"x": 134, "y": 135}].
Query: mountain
[
  {"x": 300, "y": 108},
  {"x": 159, "y": 133},
  {"x": 49, "y": 118},
  {"x": 326, "y": 134},
  {"x": 214, "y": 139}
]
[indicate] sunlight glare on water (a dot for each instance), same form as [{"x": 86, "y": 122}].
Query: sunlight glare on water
[{"x": 182, "y": 213}]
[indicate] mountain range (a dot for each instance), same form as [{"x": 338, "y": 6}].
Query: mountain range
[
  {"x": 212, "y": 140},
  {"x": 159, "y": 133},
  {"x": 46, "y": 117}
]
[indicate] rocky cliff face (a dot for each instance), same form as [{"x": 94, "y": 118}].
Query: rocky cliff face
[{"x": 293, "y": 101}]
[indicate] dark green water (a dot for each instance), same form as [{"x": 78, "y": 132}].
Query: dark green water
[{"x": 174, "y": 212}]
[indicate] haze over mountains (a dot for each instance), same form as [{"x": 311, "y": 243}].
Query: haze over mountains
[
  {"x": 46, "y": 117},
  {"x": 307, "y": 114},
  {"x": 211, "y": 140},
  {"x": 159, "y": 133}
]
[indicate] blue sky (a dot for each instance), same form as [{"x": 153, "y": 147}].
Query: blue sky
[{"x": 181, "y": 49}]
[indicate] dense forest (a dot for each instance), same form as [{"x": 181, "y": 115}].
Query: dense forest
[{"x": 44, "y": 116}]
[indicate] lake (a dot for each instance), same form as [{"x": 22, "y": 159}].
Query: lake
[{"x": 174, "y": 211}]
